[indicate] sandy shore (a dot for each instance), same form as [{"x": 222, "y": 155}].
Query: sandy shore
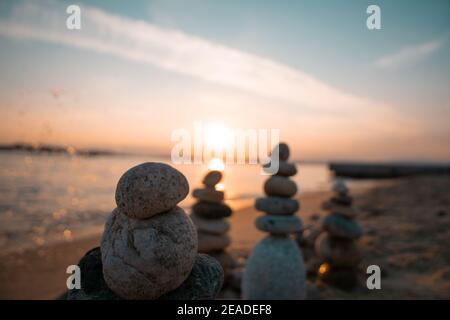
[{"x": 408, "y": 233}]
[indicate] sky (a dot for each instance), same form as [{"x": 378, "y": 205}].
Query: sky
[{"x": 138, "y": 70}]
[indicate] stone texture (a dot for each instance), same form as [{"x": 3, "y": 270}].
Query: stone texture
[
  {"x": 150, "y": 188},
  {"x": 280, "y": 186},
  {"x": 208, "y": 195},
  {"x": 275, "y": 270},
  {"x": 93, "y": 286},
  {"x": 277, "y": 205},
  {"x": 144, "y": 259},
  {"x": 212, "y": 178},
  {"x": 204, "y": 281},
  {"x": 339, "y": 226},
  {"x": 209, "y": 210},
  {"x": 279, "y": 224},
  {"x": 283, "y": 151},
  {"x": 209, "y": 242},
  {"x": 338, "y": 252},
  {"x": 213, "y": 226}
]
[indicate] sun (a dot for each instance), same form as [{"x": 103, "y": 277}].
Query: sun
[
  {"x": 217, "y": 137},
  {"x": 216, "y": 164}
]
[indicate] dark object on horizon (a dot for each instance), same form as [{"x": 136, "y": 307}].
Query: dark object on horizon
[
  {"x": 386, "y": 170},
  {"x": 53, "y": 149}
]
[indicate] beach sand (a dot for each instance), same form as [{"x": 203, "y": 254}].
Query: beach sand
[{"x": 407, "y": 225}]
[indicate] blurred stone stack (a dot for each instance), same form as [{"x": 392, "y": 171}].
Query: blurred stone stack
[
  {"x": 209, "y": 215},
  {"x": 149, "y": 245},
  {"x": 336, "y": 245},
  {"x": 275, "y": 267}
]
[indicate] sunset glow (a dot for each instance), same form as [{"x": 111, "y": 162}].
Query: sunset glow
[{"x": 216, "y": 164}]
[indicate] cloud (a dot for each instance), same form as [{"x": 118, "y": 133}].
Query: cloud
[
  {"x": 172, "y": 50},
  {"x": 200, "y": 58},
  {"x": 409, "y": 54}
]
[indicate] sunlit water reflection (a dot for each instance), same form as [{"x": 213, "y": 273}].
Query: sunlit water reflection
[{"x": 44, "y": 197}]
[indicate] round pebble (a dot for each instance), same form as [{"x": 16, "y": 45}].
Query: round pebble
[
  {"x": 208, "y": 195},
  {"x": 342, "y": 227},
  {"x": 280, "y": 186},
  {"x": 150, "y": 188},
  {"x": 213, "y": 226},
  {"x": 274, "y": 270},
  {"x": 209, "y": 242},
  {"x": 208, "y": 210},
  {"x": 285, "y": 169},
  {"x": 277, "y": 205},
  {"x": 283, "y": 151},
  {"x": 144, "y": 259},
  {"x": 279, "y": 224},
  {"x": 212, "y": 178}
]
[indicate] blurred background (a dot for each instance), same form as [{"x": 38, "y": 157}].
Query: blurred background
[{"x": 79, "y": 107}]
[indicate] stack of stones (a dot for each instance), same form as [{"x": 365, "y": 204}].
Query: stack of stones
[
  {"x": 336, "y": 245},
  {"x": 149, "y": 245},
  {"x": 275, "y": 268},
  {"x": 209, "y": 215}
]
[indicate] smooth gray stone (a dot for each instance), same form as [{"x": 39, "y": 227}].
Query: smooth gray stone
[
  {"x": 144, "y": 259},
  {"x": 150, "y": 188},
  {"x": 274, "y": 271},
  {"x": 213, "y": 226},
  {"x": 279, "y": 224},
  {"x": 277, "y": 205},
  {"x": 212, "y": 178},
  {"x": 337, "y": 251},
  {"x": 280, "y": 187},
  {"x": 283, "y": 151},
  {"x": 204, "y": 281},
  {"x": 208, "y": 195},
  {"x": 208, "y": 210},
  {"x": 285, "y": 169},
  {"x": 209, "y": 242},
  {"x": 339, "y": 226}
]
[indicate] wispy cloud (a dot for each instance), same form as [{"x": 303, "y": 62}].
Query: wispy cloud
[
  {"x": 409, "y": 54},
  {"x": 173, "y": 50},
  {"x": 186, "y": 54}
]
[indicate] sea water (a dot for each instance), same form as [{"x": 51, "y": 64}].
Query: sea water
[{"x": 44, "y": 197}]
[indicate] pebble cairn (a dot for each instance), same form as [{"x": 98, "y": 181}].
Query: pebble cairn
[
  {"x": 275, "y": 267},
  {"x": 336, "y": 245},
  {"x": 209, "y": 215},
  {"x": 149, "y": 245}
]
